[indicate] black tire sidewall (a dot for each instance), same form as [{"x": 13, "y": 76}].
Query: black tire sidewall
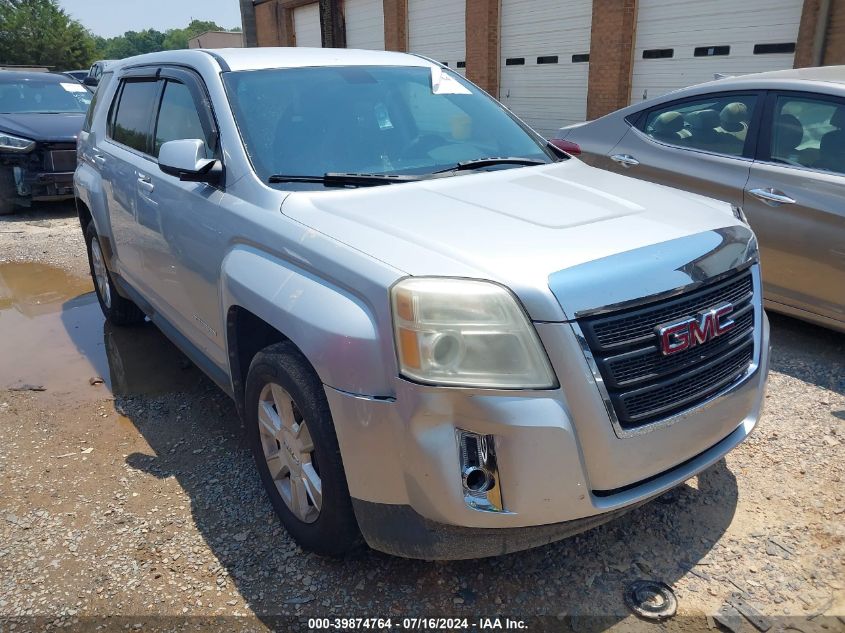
[
  {"x": 122, "y": 311},
  {"x": 335, "y": 532}
]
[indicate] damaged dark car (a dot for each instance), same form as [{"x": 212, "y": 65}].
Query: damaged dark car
[{"x": 41, "y": 115}]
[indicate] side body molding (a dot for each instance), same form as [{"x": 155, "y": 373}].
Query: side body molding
[{"x": 335, "y": 329}]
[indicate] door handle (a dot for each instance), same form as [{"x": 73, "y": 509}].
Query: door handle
[
  {"x": 771, "y": 196},
  {"x": 146, "y": 183},
  {"x": 99, "y": 159},
  {"x": 626, "y": 160}
]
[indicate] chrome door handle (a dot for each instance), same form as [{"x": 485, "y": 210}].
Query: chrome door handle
[
  {"x": 99, "y": 159},
  {"x": 771, "y": 197},
  {"x": 626, "y": 160},
  {"x": 146, "y": 183}
]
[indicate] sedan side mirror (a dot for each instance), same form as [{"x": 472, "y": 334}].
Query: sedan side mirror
[
  {"x": 91, "y": 82},
  {"x": 186, "y": 160}
]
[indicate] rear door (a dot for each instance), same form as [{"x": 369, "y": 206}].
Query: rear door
[
  {"x": 702, "y": 144},
  {"x": 794, "y": 200},
  {"x": 124, "y": 157}
]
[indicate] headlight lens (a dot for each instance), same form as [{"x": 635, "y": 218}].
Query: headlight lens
[
  {"x": 461, "y": 332},
  {"x": 11, "y": 143},
  {"x": 739, "y": 214}
]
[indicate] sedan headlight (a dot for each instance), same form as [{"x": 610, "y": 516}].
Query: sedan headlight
[
  {"x": 460, "y": 332},
  {"x": 11, "y": 143}
]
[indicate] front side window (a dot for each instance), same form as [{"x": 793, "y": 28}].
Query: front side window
[
  {"x": 373, "y": 119},
  {"x": 808, "y": 132},
  {"x": 43, "y": 96},
  {"x": 102, "y": 87},
  {"x": 716, "y": 124},
  {"x": 179, "y": 119},
  {"x": 133, "y": 118}
]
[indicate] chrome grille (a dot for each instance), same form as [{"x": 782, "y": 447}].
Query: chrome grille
[{"x": 643, "y": 384}]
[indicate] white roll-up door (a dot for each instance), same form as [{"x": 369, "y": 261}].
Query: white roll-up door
[
  {"x": 306, "y": 25},
  {"x": 681, "y": 43},
  {"x": 364, "y": 23},
  {"x": 545, "y": 61},
  {"x": 437, "y": 29}
]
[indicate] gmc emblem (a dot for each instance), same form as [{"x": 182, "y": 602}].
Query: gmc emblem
[{"x": 681, "y": 335}]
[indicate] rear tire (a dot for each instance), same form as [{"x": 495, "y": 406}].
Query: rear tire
[
  {"x": 293, "y": 440},
  {"x": 8, "y": 191},
  {"x": 117, "y": 310}
]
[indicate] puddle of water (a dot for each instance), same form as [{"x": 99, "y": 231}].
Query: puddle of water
[{"x": 52, "y": 334}]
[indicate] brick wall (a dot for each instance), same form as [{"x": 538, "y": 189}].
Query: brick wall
[
  {"x": 611, "y": 55},
  {"x": 834, "y": 51},
  {"x": 482, "y": 42},
  {"x": 396, "y": 25},
  {"x": 267, "y": 23}
]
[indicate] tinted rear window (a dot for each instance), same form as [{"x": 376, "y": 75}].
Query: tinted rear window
[{"x": 133, "y": 118}]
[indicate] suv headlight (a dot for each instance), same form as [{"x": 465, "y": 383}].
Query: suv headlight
[
  {"x": 11, "y": 143},
  {"x": 460, "y": 332}
]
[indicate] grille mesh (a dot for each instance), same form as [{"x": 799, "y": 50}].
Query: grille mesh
[
  {"x": 644, "y": 385},
  {"x": 631, "y": 325}
]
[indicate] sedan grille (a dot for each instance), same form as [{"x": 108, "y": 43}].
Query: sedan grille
[{"x": 643, "y": 384}]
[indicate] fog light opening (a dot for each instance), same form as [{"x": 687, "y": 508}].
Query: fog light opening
[{"x": 479, "y": 472}]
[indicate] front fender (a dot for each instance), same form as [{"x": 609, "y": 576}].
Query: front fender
[
  {"x": 88, "y": 184},
  {"x": 335, "y": 329}
]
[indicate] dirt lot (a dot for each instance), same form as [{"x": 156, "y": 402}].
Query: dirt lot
[{"x": 137, "y": 497}]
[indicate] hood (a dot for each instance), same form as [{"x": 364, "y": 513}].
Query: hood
[
  {"x": 515, "y": 226},
  {"x": 53, "y": 128}
]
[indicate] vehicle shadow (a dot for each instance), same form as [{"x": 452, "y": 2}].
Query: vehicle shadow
[
  {"x": 196, "y": 438},
  {"x": 41, "y": 211},
  {"x": 808, "y": 352}
]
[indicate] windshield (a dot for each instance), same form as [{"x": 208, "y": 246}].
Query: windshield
[
  {"x": 373, "y": 120},
  {"x": 38, "y": 96}
]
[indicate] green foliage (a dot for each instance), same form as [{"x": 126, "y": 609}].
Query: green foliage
[{"x": 40, "y": 33}]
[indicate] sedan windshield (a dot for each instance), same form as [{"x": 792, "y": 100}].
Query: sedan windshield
[
  {"x": 372, "y": 120},
  {"x": 41, "y": 96}
]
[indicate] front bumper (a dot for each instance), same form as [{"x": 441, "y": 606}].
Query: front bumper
[
  {"x": 562, "y": 469},
  {"x": 46, "y": 173}
]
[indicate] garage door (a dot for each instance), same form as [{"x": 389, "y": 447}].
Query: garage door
[
  {"x": 681, "y": 43},
  {"x": 306, "y": 25},
  {"x": 364, "y": 23},
  {"x": 545, "y": 61},
  {"x": 436, "y": 29}
]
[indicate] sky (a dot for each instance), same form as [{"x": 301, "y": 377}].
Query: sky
[{"x": 114, "y": 17}]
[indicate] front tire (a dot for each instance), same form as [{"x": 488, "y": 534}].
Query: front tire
[
  {"x": 293, "y": 440},
  {"x": 117, "y": 310}
]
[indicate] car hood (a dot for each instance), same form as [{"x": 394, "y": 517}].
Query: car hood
[
  {"x": 515, "y": 226},
  {"x": 54, "y": 128}
]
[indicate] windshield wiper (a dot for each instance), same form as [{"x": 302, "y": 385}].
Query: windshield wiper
[
  {"x": 492, "y": 161},
  {"x": 338, "y": 179}
]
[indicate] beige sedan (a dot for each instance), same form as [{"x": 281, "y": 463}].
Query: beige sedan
[{"x": 772, "y": 143}]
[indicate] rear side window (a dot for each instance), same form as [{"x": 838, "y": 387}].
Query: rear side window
[
  {"x": 716, "y": 124},
  {"x": 809, "y": 132},
  {"x": 134, "y": 114},
  {"x": 179, "y": 119},
  {"x": 92, "y": 109}
]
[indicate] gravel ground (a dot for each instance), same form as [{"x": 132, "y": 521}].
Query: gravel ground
[{"x": 146, "y": 504}]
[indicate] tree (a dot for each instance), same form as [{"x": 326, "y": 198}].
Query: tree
[
  {"x": 40, "y": 33},
  {"x": 178, "y": 38},
  {"x": 131, "y": 43}
]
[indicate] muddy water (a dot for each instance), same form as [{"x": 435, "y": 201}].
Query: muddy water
[{"x": 53, "y": 335}]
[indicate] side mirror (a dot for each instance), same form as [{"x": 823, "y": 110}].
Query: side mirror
[
  {"x": 186, "y": 160},
  {"x": 91, "y": 82}
]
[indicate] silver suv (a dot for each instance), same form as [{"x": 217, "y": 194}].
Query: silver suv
[{"x": 444, "y": 337}]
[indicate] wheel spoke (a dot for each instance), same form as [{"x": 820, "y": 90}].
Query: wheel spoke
[
  {"x": 278, "y": 465},
  {"x": 268, "y": 419},
  {"x": 303, "y": 436},
  {"x": 313, "y": 485},
  {"x": 299, "y": 497},
  {"x": 284, "y": 406}
]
